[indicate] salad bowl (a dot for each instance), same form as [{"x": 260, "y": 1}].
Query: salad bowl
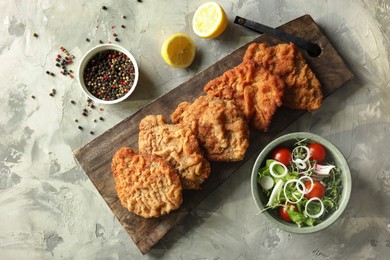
[{"x": 271, "y": 212}]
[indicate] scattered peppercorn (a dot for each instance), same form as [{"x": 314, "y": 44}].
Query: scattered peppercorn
[
  {"x": 124, "y": 16},
  {"x": 100, "y": 41},
  {"x": 33, "y": 97},
  {"x": 139, "y": 1},
  {"x": 51, "y": 94},
  {"x": 117, "y": 40},
  {"x": 123, "y": 26},
  {"x": 76, "y": 120},
  {"x": 104, "y": 7},
  {"x": 101, "y": 118},
  {"x": 48, "y": 72},
  {"x": 80, "y": 127},
  {"x": 73, "y": 102},
  {"x": 88, "y": 40},
  {"x": 35, "y": 35},
  {"x": 95, "y": 120},
  {"x": 52, "y": 74},
  {"x": 92, "y": 133},
  {"x": 114, "y": 34}
]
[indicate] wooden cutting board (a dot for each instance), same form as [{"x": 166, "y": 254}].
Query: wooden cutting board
[{"x": 95, "y": 157}]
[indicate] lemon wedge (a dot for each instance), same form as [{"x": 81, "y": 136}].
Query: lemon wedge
[
  {"x": 178, "y": 51},
  {"x": 209, "y": 20}
]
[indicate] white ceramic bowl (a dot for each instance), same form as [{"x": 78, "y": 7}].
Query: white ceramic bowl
[
  {"x": 86, "y": 58},
  {"x": 333, "y": 154}
]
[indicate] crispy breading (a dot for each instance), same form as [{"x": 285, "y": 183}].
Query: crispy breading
[
  {"x": 253, "y": 89},
  {"x": 176, "y": 144},
  {"x": 219, "y": 125},
  {"x": 146, "y": 184},
  {"x": 303, "y": 89}
]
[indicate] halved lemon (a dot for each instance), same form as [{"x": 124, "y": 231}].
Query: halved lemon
[
  {"x": 209, "y": 20},
  {"x": 178, "y": 50}
]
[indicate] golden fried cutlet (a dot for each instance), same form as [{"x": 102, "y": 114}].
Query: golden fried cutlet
[
  {"x": 253, "y": 89},
  {"x": 302, "y": 90},
  {"x": 176, "y": 144},
  {"x": 219, "y": 125},
  {"x": 146, "y": 184}
]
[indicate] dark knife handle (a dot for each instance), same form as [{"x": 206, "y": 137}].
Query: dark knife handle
[{"x": 313, "y": 49}]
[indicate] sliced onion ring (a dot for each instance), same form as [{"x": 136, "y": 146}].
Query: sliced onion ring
[
  {"x": 271, "y": 170},
  {"x": 319, "y": 214},
  {"x": 307, "y": 152},
  {"x": 306, "y": 191},
  {"x": 300, "y": 164},
  {"x": 302, "y": 193}
]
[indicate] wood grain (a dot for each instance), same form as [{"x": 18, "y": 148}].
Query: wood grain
[{"x": 95, "y": 157}]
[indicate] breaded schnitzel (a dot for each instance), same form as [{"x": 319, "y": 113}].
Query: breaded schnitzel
[
  {"x": 176, "y": 144},
  {"x": 302, "y": 90},
  {"x": 146, "y": 184},
  {"x": 253, "y": 89},
  {"x": 219, "y": 125}
]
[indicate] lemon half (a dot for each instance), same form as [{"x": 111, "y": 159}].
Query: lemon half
[
  {"x": 178, "y": 50},
  {"x": 209, "y": 20}
]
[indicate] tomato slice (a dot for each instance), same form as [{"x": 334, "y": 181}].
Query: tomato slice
[
  {"x": 318, "y": 190},
  {"x": 283, "y": 212},
  {"x": 283, "y": 155},
  {"x": 318, "y": 152}
]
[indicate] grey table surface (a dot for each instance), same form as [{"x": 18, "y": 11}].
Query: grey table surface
[{"x": 49, "y": 209}]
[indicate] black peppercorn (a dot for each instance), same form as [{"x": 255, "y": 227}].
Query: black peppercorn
[{"x": 104, "y": 7}]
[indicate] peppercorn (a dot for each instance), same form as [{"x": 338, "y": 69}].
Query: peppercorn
[
  {"x": 109, "y": 75},
  {"x": 33, "y": 97},
  {"x": 116, "y": 39},
  {"x": 101, "y": 118},
  {"x": 73, "y": 102},
  {"x": 88, "y": 40},
  {"x": 124, "y": 16},
  {"x": 104, "y": 7},
  {"x": 100, "y": 41},
  {"x": 92, "y": 133},
  {"x": 76, "y": 120},
  {"x": 123, "y": 26},
  {"x": 35, "y": 35},
  {"x": 80, "y": 127}
]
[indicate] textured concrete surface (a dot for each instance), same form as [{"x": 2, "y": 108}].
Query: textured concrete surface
[{"x": 50, "y": 210}]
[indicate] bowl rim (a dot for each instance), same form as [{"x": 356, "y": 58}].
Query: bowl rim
[
  {"x": 92, "y": 52},
  {"x": 342, "y": 164}
]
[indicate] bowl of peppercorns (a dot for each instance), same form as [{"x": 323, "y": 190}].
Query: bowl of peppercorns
[{"x": 108, "y": 74}]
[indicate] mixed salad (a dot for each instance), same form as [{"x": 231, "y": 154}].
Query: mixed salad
[{"x": 300, "y": 183}]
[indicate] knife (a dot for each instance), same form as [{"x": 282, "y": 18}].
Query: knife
[{"x": 312, "y": 48}]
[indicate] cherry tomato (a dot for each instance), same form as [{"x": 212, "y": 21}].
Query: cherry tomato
[
  {"x": 317, "y": 152},
  {"x": 283, "y": 212},
  {"x": 282, "y": 155},
  {"x": 318, "y": 190}
]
